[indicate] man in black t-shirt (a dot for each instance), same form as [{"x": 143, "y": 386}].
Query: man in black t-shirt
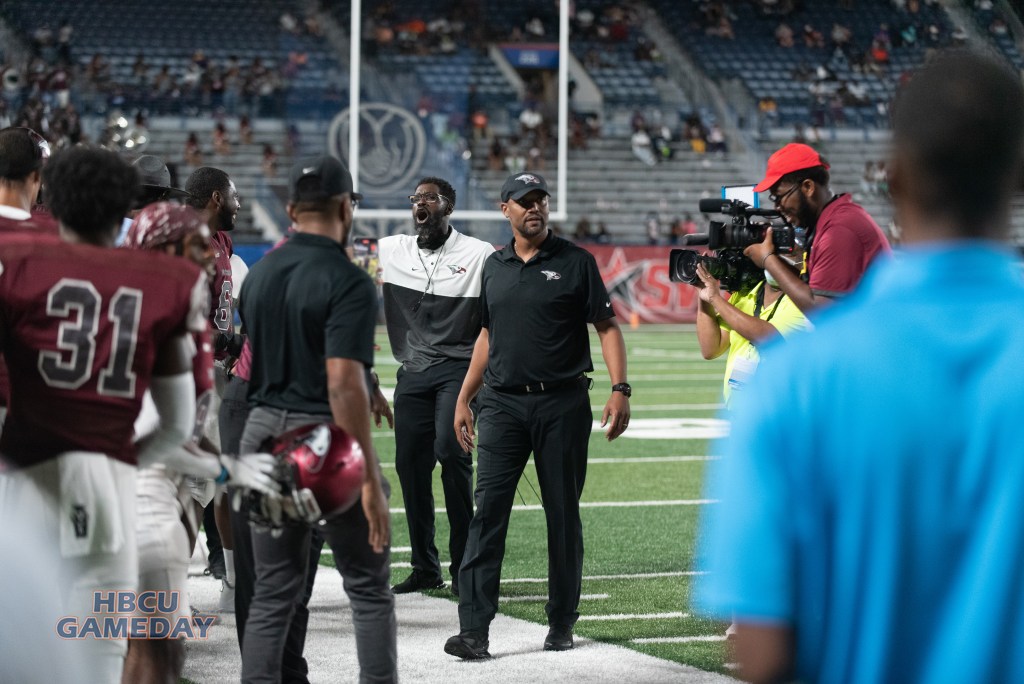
[
  {"x": 310, "y": 315},
  {"x": 531, "y": 358}
]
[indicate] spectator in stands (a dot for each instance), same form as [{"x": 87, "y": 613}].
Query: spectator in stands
[
  {"x": 842, "y": 239},
  {"x": 841, "y": 36},
  {"x": 496, "y": 155},
  {"x": 652, "y": 226},
  {"x": 867, "y": 179},
  {"x": 812, "y": 37},
  {"x": 193, "y": 154},
  {"x": 603, "y": 237},
  {"x": 244, "y": 130},
  {"x": 269, "y": 163},
  {"x": 881, "y": 179},
  {"x": 64, "y": 33},
  {"x": 695, "y": 133},
  {"x": 640, "y": 143},
  {"x": 221, "y": 140},
  {"x": 515, "y": 160},
  {"x": 784, "y": 35},
  {"x": 857, "y": 559},
  {"x": 716, "y": 140},
  {"x": 582, "y": 233}
]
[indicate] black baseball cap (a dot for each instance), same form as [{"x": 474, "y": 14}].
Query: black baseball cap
[
  {"x": 520, "y": 184},
  {"x": 332, "y": 174}
]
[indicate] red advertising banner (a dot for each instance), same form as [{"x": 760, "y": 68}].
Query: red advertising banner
[{"x": 637, "y": 280}]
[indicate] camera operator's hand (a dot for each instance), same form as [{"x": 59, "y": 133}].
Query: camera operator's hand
[
  {"x": 760, "y": 251},
  {"x": 712, "y": 288}
]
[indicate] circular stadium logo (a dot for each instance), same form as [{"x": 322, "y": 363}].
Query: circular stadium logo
[{"x": 392, "y": 145}]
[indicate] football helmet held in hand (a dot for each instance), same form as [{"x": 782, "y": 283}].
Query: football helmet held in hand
[{"x": 320, "y": 474}]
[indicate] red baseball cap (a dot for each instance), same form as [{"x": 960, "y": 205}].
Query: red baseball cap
[{"x": 792, "y": 157}]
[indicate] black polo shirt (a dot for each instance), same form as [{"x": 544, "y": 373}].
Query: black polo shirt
[
  {"x": 301, "y": 304},
  {"x": 536, "y": 313}
]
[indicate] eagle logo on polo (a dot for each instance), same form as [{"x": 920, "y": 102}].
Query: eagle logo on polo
[
  {"x": 552, "y": 275},
  {"x": 456, "y": 270},
  {"x": 528, "y": 179}
]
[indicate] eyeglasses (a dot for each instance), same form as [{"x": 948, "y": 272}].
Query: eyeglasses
[
  {"x": 777, "y": 199},
  {"x": 355, "y": 198},
  {"x": 426, "y": 197},
  {"x": 541, "y": 201}
]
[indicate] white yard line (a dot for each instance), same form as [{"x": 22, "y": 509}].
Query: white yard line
[
  {"x": 678, "y": 640},
  {"x": 601, "y": 504},
  {"x": 633, "y": 616},
  {"x": 527, "y": 599},
  {"x": 598, "y": 578}
]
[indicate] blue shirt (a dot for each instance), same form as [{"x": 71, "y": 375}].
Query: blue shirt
[{"x": 870, "y": 493}]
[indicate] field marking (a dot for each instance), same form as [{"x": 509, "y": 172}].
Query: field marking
[
  {"x": 627, "y": 459},
  {"x": 651, "y": 459},
  {"x": 673, "y": 428},
  {"x": 602, "y": 504},
  {"x": 633, "y": 616},
  {"x": 394, "y": 549},
  {"x": 527, "y": 599},
  {"x": 675, "y": 407},
  {"x": 598, "y": 578},
  {"x": 665, "y": 377},
  {"x": 677, "y": 640}
]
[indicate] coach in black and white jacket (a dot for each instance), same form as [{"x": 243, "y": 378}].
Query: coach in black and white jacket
[{"x": 432, "y": 310}]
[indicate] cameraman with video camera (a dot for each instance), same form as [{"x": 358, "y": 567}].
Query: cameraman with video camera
[
  {"x": 842, "y": 239},
  {"x": 741, "y": 323}
]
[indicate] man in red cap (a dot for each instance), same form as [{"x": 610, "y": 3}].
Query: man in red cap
[{"x": 842, "y": 239}]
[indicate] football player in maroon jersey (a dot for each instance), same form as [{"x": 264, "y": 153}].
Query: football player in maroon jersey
[
  {"x": 86, "y": 330},
  {"x": 212, "y": 193},
  {"x": 22, "y": 154}
]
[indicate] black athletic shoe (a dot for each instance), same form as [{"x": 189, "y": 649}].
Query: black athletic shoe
[
  {"x": 417, "y": 581},
  {"x": 216, "y": 567},
  {"x": 558, "y": 639},
  {"x": 468, "y": 646}
]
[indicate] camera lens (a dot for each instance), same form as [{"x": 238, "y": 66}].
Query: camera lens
[{"x": 683, "y": 266}]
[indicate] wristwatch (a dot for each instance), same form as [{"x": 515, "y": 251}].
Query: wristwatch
[{"x": 624, "y": 388}]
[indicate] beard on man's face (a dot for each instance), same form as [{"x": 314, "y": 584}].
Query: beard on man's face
[
  {"x": 226, "y": 218},
  {"x": 431, "y": 231}
]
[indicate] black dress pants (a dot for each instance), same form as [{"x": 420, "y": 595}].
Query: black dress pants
[
  {"x": 424, "y": 436},
  {"x": 556, "y": 427}
]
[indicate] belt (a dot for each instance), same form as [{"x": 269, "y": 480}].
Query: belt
[{"x": 535, "y": 387}]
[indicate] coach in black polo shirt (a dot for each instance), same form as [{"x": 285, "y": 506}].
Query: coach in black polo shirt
[
  {"x": 310, "y": 314},
  {"x": 539, "y": 293}
]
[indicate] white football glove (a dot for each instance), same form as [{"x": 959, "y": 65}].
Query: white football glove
[{"x": 252, "y": 471}]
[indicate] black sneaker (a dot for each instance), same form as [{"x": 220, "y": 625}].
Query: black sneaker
[
  {"x": 417, "y": 581},
  {"x": 216, "y": 566},
  {"x": 468, "y": 646},
  {"x": 558, "y": 639}
]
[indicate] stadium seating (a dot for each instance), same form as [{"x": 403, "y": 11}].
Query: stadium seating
[{"x": 768, "y": 70}]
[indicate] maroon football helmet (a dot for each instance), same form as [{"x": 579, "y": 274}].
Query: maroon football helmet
[{"x": 320, "y": 471}]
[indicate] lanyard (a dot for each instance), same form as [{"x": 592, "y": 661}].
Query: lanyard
[{"x": 760, "y": 303}]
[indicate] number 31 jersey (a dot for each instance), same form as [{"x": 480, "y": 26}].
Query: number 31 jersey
[{"x": 81, "y": 328}]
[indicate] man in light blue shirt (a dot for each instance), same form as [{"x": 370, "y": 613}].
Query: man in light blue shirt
[{"x": 870, "y": 526}]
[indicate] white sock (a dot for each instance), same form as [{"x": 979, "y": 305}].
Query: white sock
[{"x": 229, "y": 566}]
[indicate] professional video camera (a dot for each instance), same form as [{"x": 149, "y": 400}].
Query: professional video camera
[{"x": 736, "y": 272}]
